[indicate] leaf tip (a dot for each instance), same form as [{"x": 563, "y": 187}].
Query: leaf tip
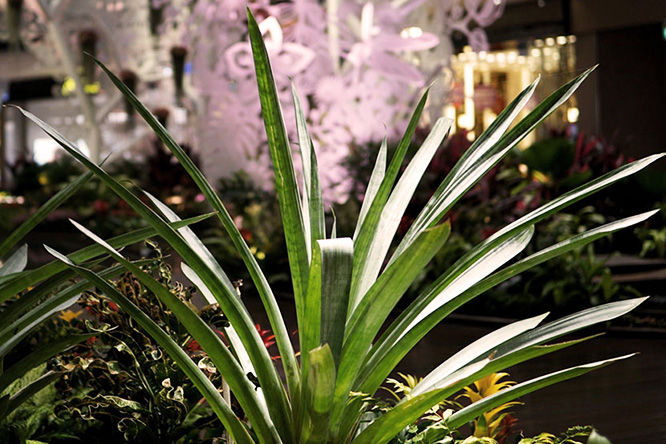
[
  {"x": 250, "y": 17},
  {"x": 61, "y": 257}
]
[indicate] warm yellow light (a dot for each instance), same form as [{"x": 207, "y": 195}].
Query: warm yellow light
[
  {"x": 561, "y": 40},
  {"x": 572, "y": 115},
  {"x": 468, "y": 88},
  {"x": 413, "y": 32},
  {"x": 550, "y": 41},
  {"x": 174, "y": 200},
  {"x": 450, "y": 112},
  {"x": 465, "y": 121},
  {"x": 488, "y": 117}
]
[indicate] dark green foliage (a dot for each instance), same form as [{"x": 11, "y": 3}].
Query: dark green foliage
[{"x": 120, "y": 386}]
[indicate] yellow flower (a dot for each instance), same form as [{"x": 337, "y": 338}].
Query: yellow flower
[
  {"x": 69, "y": 315},
  {"x": 489, "y": 424}
]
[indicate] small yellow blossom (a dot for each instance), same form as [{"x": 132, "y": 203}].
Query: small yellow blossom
[{"x": 69, "y": 315}]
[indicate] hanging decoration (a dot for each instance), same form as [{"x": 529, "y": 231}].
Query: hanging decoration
[
  {"x": 358, "y": 67},
  {"x": 178, "y": 54},
  {"x": 13, "y": 21}
]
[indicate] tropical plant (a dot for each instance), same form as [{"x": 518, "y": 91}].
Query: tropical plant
[
  {"x": 346, "y": 288},
  {"x": 120, "y": 385},
  {"x": 30, "y": 297},
  {"x": 23, "y": 308},
  {"x": 571, "y": 436},
  {"x": 490, "y": 423}
]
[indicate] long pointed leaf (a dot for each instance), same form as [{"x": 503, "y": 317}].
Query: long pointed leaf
[
  {"x": 366, "y": 268},
  {"x": 482, "y": 346},
  {"x": 313, "y": 207},
  {"x": 391, "y": 348},
  {"x": 40, "y": 356},
  {"x": 569, "y": 324},
  {"x": 376, "y": 179},
  {"x": 320, "y": 388},
  {"x": 234, "y": 310},
  {"x": 32, "y": 277},
  {"x": 367, "y": 320},
  {"x": 258, "y": 278},
  {"x": 444, "y": 291},
  {"x": 210, "y": 342},
  {"x": 44, "y": 210},
  {"x": 283, "y": 166},
  {"x": 477, "y": 408},
  {"x": 487, "y": 152},
  {"x": 365, "y": 234}
]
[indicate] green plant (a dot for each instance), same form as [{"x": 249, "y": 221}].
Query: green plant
[
  {"x": 490, "y": 424},
  {"x": 575, "y": 280},
  {"x": 345, "y": 288},
  {"x": 257, "y": 216},
  {"x": 120, "y": 385},
  {"x": 30, "y": 297},
  {"x": 571, "y": 436},
  {"x": 23, "y": 309}
]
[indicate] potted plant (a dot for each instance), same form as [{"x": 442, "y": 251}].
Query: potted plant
[{"x": 344, "y": 289}]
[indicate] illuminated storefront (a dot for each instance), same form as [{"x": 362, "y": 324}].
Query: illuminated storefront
[{"x": 485, "y": 82}]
